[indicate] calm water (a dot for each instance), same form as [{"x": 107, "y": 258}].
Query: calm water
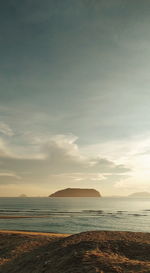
[{"x": 68, "y": 215}]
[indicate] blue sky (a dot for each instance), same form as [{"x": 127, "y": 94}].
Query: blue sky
[{"x": 74, "y": 96}]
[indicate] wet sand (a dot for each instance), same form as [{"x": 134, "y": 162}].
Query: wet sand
[{"x": 20, "y": 232}]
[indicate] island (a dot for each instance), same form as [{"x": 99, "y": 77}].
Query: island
[
  {"x": 140, "y": 195},
  {"x": 76, "y": 192},
  {"x": 22, "y": 195}
]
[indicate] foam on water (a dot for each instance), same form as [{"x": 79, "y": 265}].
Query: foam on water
[{"x": 72, "y": 215}]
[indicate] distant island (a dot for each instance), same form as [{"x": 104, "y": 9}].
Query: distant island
[
  {"x": 22, "y": 195},
  {"x": 140, "y": 195},
  {"x": 76, "y": 192}
]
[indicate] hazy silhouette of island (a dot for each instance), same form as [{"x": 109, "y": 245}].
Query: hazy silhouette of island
[
  {"x": 140, "y": 195},
  {"x": 76, "y": 192},
  {"x": 22, "y": 195}
]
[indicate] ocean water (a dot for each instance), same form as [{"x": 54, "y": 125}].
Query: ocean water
[{"x": 73, "y": 215}]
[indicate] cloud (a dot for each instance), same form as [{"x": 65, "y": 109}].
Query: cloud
[
  {"x": 5, "y": 129},
  {"x": 4, "y": 149},
  {"x": 61, "y": 160},
  {"x": 107, "y": 166},
  {"x": 132, "y": 185},
  {"x": 78, "y": 176},
  {"x": 9, "y": 178},
  {"x": 7, "y": 174}
]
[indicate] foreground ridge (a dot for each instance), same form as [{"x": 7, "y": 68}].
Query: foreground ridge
[{"x": 94, "y": 251}]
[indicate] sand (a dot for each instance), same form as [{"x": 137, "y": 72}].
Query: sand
[
  {"x": 20, "y": 232},
  {"x": 87, "y": 252}
]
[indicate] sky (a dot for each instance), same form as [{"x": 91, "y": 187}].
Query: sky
[{"x": 74, "y": 96}]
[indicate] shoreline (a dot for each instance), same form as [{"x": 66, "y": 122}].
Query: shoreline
[
  {"x": 45, "y": 233},
  {"x": 36, "y": 233}
]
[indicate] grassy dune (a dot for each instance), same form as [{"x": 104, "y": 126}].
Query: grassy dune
[{"x": 88, "y": 252}]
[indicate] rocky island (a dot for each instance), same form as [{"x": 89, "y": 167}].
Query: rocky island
[{"x": 76, "y": 192}]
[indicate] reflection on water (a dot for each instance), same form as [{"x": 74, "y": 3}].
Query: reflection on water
[{"x": 71, "y": 215}]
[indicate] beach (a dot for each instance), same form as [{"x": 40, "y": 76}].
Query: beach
[
  {"x": 44, "y": 235},
  {"x": 92, "y": 251}
]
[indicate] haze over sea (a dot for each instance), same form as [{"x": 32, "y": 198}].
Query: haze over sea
[{"x": 72, "y": 215}]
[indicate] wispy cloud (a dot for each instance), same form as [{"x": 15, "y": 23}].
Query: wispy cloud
[
  {"x": 8, "y": 178},
  {"x": 61, "y": 160},
  {"x": 5, "y": 129},
  {"x": 9, "y": 174}
]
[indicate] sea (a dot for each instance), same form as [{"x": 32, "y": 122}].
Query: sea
[{"x": 74, "y": 215}]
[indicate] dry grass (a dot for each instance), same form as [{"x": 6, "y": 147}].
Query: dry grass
[{"x": 88, "y": 252}]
